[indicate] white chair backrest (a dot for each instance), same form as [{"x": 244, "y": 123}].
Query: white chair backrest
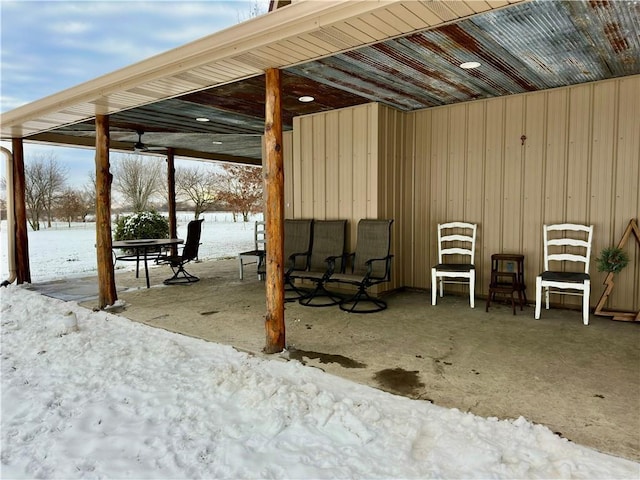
[
  {"x": 260, "y": 235},
  {"x": 457, "y": 238},
  {"x": 572, "y": 244}
]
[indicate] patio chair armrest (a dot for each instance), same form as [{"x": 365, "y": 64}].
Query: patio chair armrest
[
  {"x": 331, "y": 261},
  {"x": 293, "y": 259},
  {"x": 387, "y": 267}
]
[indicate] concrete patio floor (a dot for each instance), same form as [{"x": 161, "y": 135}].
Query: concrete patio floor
[{"x": 582, "y": 382}]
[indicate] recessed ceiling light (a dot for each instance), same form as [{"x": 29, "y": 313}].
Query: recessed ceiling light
[
  {"x": 468, "y": 65},
  {"x": 216, "y": 142},
  {"x": 202, "y": 119},
  {"x": 306, "y": 99}
]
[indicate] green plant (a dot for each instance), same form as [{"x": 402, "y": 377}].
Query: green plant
[
  {"x": 612, "y": 260},
  {"x": 141, "y": 225}
]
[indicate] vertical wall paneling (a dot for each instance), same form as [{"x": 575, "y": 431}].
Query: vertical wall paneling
[
  {"x": 319, "y": 167},
  {"x": 533, "y": 189},
  {"x": 490, "y": 229},
  {"x": 512, "y": 179},
  {"x": 294, "y": 177},
  {"x": 603, "y": 165},
  {"x": 332, "y": 161},
  {"x": 287, "y": 159},
  {"x": 579, "y": 153},
  {"x": 555, "y": 157},
  {"x": 345, "y": 168},
  {"x": 306, "y": 167},
  {"x": 456, "y": 176},
  {"x": 627, "y": 191},
  {"x": 580, "y": 162}
]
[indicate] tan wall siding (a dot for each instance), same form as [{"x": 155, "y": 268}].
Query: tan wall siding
[
  {"x": 334, "y": 170},
  {"x": 579, "y": 162}
]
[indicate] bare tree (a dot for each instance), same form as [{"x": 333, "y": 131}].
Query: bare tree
[
  {"x": 199, "y": 186},
  {"x": 240, "y": 186},
  {"x": 70, "y": 205},
  {"x": 44, "y": 180},
  {"x": 137, "y": 178}
]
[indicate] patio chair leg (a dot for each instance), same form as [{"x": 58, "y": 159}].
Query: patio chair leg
[
  {"x": 362, "y": 296},
  {"x": 320, "y": 291}
]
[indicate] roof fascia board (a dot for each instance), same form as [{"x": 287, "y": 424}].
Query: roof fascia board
[{"x": 295, "y": 19}]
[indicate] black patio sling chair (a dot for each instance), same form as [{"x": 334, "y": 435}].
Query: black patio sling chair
[
  {"x": 297, "y": 243},
  {"x": 327, "y": 242},
  {"x": 369, "y": 265},
  {"x": 189, "y": 253}
]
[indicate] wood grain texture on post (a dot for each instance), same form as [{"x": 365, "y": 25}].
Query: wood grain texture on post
[
  {"x": 23, "y": 270},
  {"x": 106, "y": 281},
  {"x": 274, "y": 215}
]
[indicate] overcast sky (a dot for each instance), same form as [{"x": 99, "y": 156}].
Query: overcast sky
[{"x": 48, "y": 46}]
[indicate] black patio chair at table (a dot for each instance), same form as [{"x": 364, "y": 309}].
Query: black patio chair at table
[
  {"x": 368, "y": 265},
  {"x": 189, "y": 253}
]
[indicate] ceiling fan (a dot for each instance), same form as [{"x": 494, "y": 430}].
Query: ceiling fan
[{"x": 140, "y": 147}]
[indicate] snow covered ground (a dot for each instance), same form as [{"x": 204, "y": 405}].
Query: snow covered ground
[
  {"x": 61, "y": 251},
  {"x": 118, "y": 399}
]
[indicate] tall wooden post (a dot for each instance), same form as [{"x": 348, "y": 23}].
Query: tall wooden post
[
  {"x": 274, "y": 214},
  {"x": 171, "y": 200},
  {"x": 23, "y": 271},
  {"x": 106, "y": 281}
]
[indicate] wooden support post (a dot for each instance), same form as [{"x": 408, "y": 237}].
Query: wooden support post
[
  {"x": 106, "y": 281},
  {"x": 171, "y": 200},
  {"x": 274, "y": 214},
  {"x": 23, "y": 271}
]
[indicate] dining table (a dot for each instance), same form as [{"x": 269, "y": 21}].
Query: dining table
[{"x": 142, "y": 248}]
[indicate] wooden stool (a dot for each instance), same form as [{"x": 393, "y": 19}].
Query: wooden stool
[{"x": 507, "y": 277}]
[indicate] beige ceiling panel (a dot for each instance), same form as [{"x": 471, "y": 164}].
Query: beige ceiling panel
[
  {"x": 82, "y": 110},
  {"x": 459, "y": 9},
  {"x": 422, "y": 10},
  {"x": 302, "y": 48},
  {"x": 479, "y": 6},
  {"x": 285, "y": 54},
  {"x": 390, "y": 22},
  {"x": 375, "y": 27},
  {"x": 354, "y": 35},
  {"x": 130, "y": 98},
  {"x": 404, "y": 16},
  {"x": 315, "y": 43}
]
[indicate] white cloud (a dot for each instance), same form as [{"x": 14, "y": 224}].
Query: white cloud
[{"x": 69, "y": 28}]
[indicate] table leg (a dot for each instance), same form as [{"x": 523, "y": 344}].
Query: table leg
[{"x": 146, "y": 267}]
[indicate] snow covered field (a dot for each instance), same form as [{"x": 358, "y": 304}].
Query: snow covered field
[
  {"x": 62, "y": 251},
  {"x": 118, "y": 399}
]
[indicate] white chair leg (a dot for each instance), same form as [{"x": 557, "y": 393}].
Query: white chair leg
[
  {"x": 434, "y": 286},
  {"x": 546, "y": 293},
  {"x": 472, "y": 290},
  {"x": 585, "y": 302},
  {"x": 441, "y": 287},
  {"x": 241, "y": 270},
  {"x": 538, "y": 296}
]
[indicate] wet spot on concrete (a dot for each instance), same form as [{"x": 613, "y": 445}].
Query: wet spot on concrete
[
  {"x": 210, "y": 312},
  {"x": 399, "y": 380},
  {"x": 341, "y": 360}
]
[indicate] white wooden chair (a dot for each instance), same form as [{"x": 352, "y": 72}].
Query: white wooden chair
[
  {"x": 570, "y": 244},
  {"x": 455, "y": 238},
  {"x": 254, "y": 256}
]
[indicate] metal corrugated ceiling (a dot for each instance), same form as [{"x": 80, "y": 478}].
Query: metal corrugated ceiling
[{"x": 524, "y": 47}]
